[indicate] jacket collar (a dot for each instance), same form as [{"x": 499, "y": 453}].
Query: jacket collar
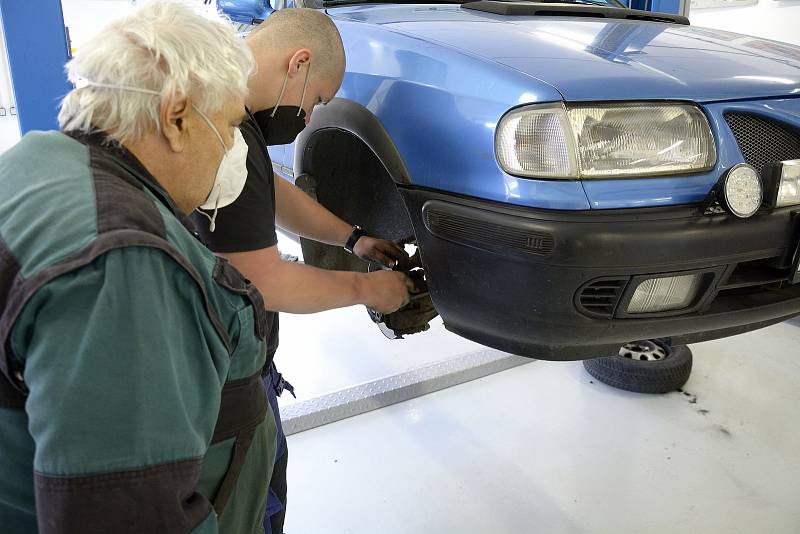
[{"x": 135, "y": 168}]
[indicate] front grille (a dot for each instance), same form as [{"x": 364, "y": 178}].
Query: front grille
[
  {"x": 600, "y": 297},
  {"x": 763, "y": 141},
  {"x": 484, "y": 234}
]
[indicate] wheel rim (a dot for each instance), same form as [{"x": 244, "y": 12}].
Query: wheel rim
[{"x": 648, "y": 350}]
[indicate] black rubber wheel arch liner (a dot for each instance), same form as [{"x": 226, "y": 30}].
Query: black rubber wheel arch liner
[{"x": 351, "y": 117}]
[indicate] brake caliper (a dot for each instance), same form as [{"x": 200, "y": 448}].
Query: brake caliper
[{"x": 415, "y": 316}]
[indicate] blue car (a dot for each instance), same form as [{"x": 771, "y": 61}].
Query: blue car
[{"x": 576, "y": 175}]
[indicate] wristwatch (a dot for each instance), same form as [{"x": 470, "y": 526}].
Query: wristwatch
[{"x": 357, "y": 234}]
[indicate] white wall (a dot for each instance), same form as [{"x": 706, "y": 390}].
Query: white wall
[
  {"x": 9, "y": 124},
  {"x": 85, "y": 17},
  {"x": 771, "y": 19}
]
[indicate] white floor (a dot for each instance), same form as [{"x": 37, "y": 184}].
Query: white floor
[
  {"x": 338, "y": 349},
  {"x": 545, "y": 449},
  {"x": 334, "y": 350}
]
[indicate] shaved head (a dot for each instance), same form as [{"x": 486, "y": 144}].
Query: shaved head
[{"x": 288, "y": 30}]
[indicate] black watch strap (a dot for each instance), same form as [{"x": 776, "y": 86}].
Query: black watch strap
[{"x": 357, "y": 234}]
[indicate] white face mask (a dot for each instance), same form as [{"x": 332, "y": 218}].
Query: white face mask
[
  {"x": 232, "y": 170},
  {"x": 231, "y": 174}
]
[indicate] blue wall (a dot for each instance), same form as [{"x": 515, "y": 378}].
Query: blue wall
[
  {"x": 666, "y": 6},
  {"x": 661, "y": 6},
  {"x": 37, "y": 50}
]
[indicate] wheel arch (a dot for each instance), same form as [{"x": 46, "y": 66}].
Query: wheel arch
[
  {"x": 355, "y": 119},
  {"x": 347, "y": 162}
]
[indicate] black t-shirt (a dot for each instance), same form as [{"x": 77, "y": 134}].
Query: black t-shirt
[{"x": 249, "y": 222}]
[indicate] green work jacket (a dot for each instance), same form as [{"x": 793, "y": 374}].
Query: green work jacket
[{"x": 130, "y": 356}]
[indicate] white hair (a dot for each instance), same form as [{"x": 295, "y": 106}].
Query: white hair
[{"x": 170, "y": 47}]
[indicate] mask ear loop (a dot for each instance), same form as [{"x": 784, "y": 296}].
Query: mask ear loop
[
  {"x": 81, "y": 83},
  {"x": 305, "y": 86},
  {"x": 213, "y": 218},
  {"x": 213, "y": 129},
  {"x": 283, "y": 90},
  {"x": 280, "y": 96}
]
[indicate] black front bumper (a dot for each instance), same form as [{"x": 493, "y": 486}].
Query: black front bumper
[{"x": 554, "y": 285}]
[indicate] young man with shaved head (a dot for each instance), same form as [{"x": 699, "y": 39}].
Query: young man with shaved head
[{"x": 300, "y": 64}]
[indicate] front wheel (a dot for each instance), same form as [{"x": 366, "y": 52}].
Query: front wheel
[{"x": 650, "y": 366}]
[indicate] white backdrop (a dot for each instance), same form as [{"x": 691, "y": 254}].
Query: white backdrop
[
  {"x": 770, "y": 19},
  {"x": 9, "y": 125}
]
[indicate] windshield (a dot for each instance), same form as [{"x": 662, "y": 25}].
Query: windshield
[{"x": 333, "y": 3}]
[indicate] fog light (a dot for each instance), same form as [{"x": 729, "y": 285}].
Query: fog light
[
  {"x": 783, "y": 188},
  {"x": 664, "y": 294},
  {"x": 742, "y": 191}
]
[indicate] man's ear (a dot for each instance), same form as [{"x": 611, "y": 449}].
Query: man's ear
[
  {"x": 298, "y": 62},
  {"x": 172, "y": 115}
]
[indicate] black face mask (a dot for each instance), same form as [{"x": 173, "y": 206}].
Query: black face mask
[{"x": 284, "y": 127}]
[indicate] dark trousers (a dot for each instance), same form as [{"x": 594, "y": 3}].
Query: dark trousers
[{"x": 276, "y": 500}]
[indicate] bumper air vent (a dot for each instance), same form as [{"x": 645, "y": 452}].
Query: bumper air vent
[
  {"x": 599, "y": 298},
  {"x": 447, "y": 224}
]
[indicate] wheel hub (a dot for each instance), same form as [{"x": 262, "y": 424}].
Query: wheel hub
[{"x": 646, "y": 351}]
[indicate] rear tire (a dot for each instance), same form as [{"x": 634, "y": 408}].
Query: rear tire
[{"x": 651, "y": 366}]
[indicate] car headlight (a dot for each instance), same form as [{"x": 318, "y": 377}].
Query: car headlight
[{"x": 605, "y": 141}]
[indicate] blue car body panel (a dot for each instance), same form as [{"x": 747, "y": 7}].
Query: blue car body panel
[
  {"x": 440, "y": 107},
  {"x": 245, "y": 11},
  {"x": 440, "y": 77},
  {"x": 591, "y": 59}
]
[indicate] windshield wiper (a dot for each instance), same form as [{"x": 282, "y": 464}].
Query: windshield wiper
[{"x": 612, "y": 3}]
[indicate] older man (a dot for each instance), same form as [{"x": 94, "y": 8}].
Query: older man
[{"x": 130, "y": 391}]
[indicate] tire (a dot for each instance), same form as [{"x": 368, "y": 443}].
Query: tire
[{"x": 661, "y": 368}]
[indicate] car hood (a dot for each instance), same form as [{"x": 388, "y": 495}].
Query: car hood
[{"x": 591, "y": 59}]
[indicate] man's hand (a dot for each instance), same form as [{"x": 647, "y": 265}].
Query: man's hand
[
  {"x": 387, "y": 253},
  {"x": 386, "y": 291}
]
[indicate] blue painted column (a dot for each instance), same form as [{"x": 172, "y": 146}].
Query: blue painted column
[
  {"x": 36, "y": 42},
  {"x": 662, "y": 6},
  {"x": 666, "y": 6}
]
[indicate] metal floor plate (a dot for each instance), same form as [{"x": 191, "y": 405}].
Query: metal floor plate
[{"x": 349, "y": 402}]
